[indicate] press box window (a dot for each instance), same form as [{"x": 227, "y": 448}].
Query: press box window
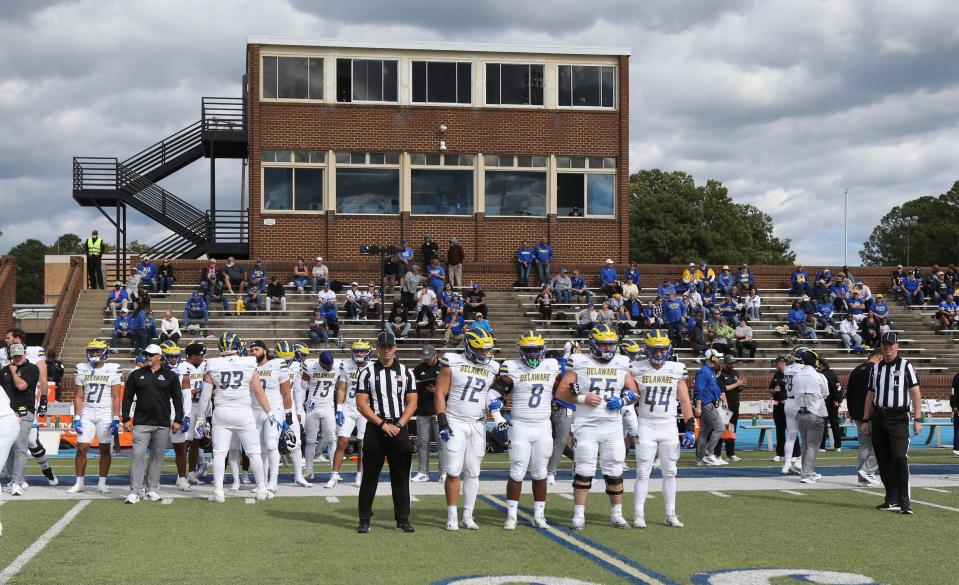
[
  {"x": 514, "y": 84},
  {"x": 366, "y": 80},
  {"x": 293, "y": 179},
  {"x": 586, "y": 86},
  {"x": 296, "y": 78},
  {"x": 442, "y": 82},
  {"x": 435, "y": 190},
  {"x": 585, "y": 194}
]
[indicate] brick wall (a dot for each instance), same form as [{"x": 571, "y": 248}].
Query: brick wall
[
  {"x": 8, "y": 290},
  {"x": 415, "y": 129}
]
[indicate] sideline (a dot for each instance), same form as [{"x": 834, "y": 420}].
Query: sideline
[
  {"x": 911, "y": 501},
  {"x": 41, "y": 543}
]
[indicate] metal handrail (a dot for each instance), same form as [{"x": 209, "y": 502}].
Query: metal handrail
[
  {"x": 223, "y": 114},
  {"x": 158, "y": 154},
  {"x": 94, "y": 172}
]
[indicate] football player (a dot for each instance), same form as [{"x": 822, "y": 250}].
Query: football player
[
  {"x": 275, "y": 377},
  {"x": 191, "y": 371},
  {"x": 347, "y": 416},
  {"x": 96, "y": 407},
  {"x": 791, "y": 407},
  {"x": 662, "y": 386},
  {"x": 531, "y": 380},
  {"x": 600, "y": 385},
  {"x": 293, "y": 355},
  {"x": 36, "y": 356},
  {"x": 634, "y": 352},
  {"x": 170, "y": 354},
  {"x": 320, "y": 375},
  {"x": 461, "y": 397},
  {"x": 237, "y": 383}
]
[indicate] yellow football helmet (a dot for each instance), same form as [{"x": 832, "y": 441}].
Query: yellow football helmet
[
  {"x": 630, "y": 349},
  {"x": 478, "y": 339},
  {"x": 102, "y": 349},
  {"x": 603, "y": 340},
  {"x": 532, "y": 348},
  {"x": 655, "y": 341},
  {"x": 170, "y": 353},
  {"x": 230, "y": 341},
  {"x": 361, "y": 351},
  {"x": 283, "y": 350},
  {"x": 300, "y": 351}
]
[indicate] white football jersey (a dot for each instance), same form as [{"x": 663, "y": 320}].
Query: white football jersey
[
  {"x": 469, "y": 386},
  {"x": 35, "y": 354},
  {"x": 658, "y": 389},
  {"x": 97, "y": 384},
  {"x": 532, "y": 388},
  {"x": 322, "y": 385},
  {"x": 605, "y": 379},
  {"x": 296, "y": 383},
  {"x": 196, "y": 373},
  {"x": 231, "y": 377},
  {"x": 789, "y": 372},
  {"x": 273, "y": 373},
  {"x": 349, "y": 371}
]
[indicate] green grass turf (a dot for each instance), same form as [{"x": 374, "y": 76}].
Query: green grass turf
[{"x": 309, "y": 540}]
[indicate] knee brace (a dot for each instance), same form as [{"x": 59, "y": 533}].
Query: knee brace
[
  {"x": 614, "y": 484},
  {"x": 582, "y": 482},
  {"x": 38, "y": 451}
]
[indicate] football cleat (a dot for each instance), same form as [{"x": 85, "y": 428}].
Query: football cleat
[
  {"x": 260, "y": 494},
  {"x": 888, "y": 507},
  {"x": 152, "y": 496},
  {"x": 270, "y": 493},
  {"x": 619, "y": 522},
  {"x": 358, "y": 480},
  {"x": 420, "y": 477},
  {"x": 673, "y": 520},
  {"x": 183, "y": 484},
  {"x": 235, "y": 487},
  {"x": 301, "y": 482},
  {"x": 75, "y": 488},
  {"x": 639, "y": 522},
  {"x": 15, "y": 489},
  {"x": 539, "y": 522},
  {"x": 334, "y": 479},
  {"x": 469, "y": 524},
  {"x": 451, "y": 525},
  {"x": 218, "y": 496},
  {"x": 52, "y": 479},
  {"x": 550, "y": 478},
  {"x": 132, "y": 499},
  {"x": 578, "y": 524},
  {"x": 510, "y": 523}
]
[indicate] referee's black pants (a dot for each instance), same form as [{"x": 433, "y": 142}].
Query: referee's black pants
[
  {"x": 890, "y": 440},
  {"x": 377, "y": 446}
]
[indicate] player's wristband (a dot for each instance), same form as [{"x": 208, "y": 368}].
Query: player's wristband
[
  {"x": 289, "y": 417},
  {"x": 581, "y": 399},
  {"x": 339, "y": 407},
  {"x": 441, "y": 420}
]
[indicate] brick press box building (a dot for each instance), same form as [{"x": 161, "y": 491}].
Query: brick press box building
[{"x": 353, "y": 143}]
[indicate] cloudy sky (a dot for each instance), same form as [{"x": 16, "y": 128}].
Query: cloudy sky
[{"x": 786, "y": 102}]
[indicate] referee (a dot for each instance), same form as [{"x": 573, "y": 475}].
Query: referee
[
  {"x": 893, "y": 393},
  {"x": 386, "y": 397}
]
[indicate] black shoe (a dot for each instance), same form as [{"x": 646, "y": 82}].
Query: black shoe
[
  {"x": 363, "y": 528},
  {"x": 905, "y": 509},
  {"x": 404, "y": 527},
  {"x": 51, "y": 477},
  {"x": 888, "y": 507}
]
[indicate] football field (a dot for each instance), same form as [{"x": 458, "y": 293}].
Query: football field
[{"x": 745, "y": 523}]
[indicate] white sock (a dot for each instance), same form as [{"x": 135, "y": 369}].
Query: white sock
[
  {"x": 539, "y": 508},
  {"x": 641, "y": 489},
  {"x": 273, "y": 467},
  {"x": 579, "y": 510},
  {"x": 308, "y": 458},
  {"x": 470, "y": 491},
  {"x": 219, "y": 470},
  {"x": 79, "y": 480},
  {"x": 669, "y": 495},
  {"x": 297, "y": 458},
  {"x": 256, "y": 466},
  {"x": 511, "y": 506},
  {"x": 235, "y": 464},
  {"x": 616, "y": 510},
  {"x": 451, "y": 512},
  {"x": 101, "y": 482}
]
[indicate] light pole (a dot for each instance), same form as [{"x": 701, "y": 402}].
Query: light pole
[{"x": 908, "y": 223}]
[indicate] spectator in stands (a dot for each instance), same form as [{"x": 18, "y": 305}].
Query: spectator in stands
[
  {"x": 397, "y": 322},
  {"x": 211, "y": 274},
  {"x": 370, "y": 302},
  {"x": 754, "y": 304},
  {"x": 429, "y": 250},
  {"x": 605, "y": 315},
  {"x": 809, "y": 306},
  {"x": 732, "y": 386},
  {"x": 632, "y": 273},
  {"x": 141, "y": 299},
  {"x": 275, "y": 294},
  {"x": 938, "y": 288},
  {"x": 301, "y": 275},
  {"x": 117, "y": 299},
  {"x": 404, "y": 259},
  {"x": 849, "y": 331},
  {"x": 165, "y": 278},
  {"x": 409, "y": 286},
  {"x": 726, "y": 281},
  {"x": 216, "y": 294},
  {"x": 856, "y": 305},
  {"x": 455, "y": 330},
  {"x": 744, "y": 339},
  {"x": 630, "y": 290},
  {"x": 149, "y": 325},
  {"x": 895, "y": 279},
  {"x": 866, "y": 294},
  {"x": 825, "y": 319},
  {"x": 436, "y": 276},
  {"x": 708, "y": 299},
  {"x": 454, "y": 307},
  {"x": 624, "y": 322},
  {"x": 455, "y": 256},
  {"x": 561, "y": 287},
  {"x": 615, "y": 302},
  {"x": 475, "y": 300},
  {"x": 693, "y": 300},
  {"x": 578, "y": 290},
  {"x": 688, "y": 277},
  {"x": 123, "y": 328},
  {"x": 653, "y": 314},
  {"x": 674, "y": 313},
  {"x": 148, "y": 268},
  {"x": 480, "y": 322},
  {"x": 585, "y": 320},
  {"x": 796, "y": 318},
  {"x": 542, "y": 255},
  {"x": 800, "y": 282},
  {"x": 320, "y": 274},
  {"x": 839, "y": 294},
  {"x": 524, "y": 259},
  {"x": 258, "y": 277},
  {"x": 697, "y": 337},
  {"x": 252, "y": 300},
  {"x": 608, "y": 281},
  {"x": 318, "y": 333},
  {"x": 870, "y": 330},
  {"x": 544, "y": 301},
  {"x": 720, "y": 336},
  {"x": 744, "y": 278},
  {"x": 425, "y": 307},
  {"x": 325, "y": 294},
  {"x": 880, "y": 309},
  {"x": 947, "y": 312},
  {"x": 665, "y": 289},
  {"x": 195, "y": 308},
  {"x": 911, "y": 290},
  {"x": 730, "y": 309},
  {"x": 351, "y": 304},
  {"x": 704, "y": 276},
  {"x": 821, "y": 288},
  {"x": 55, "y": 372},
  {"x": 825, "y": 275},
  {"x": 169, "y": 328},
  {"x": 234, "y": 275}
]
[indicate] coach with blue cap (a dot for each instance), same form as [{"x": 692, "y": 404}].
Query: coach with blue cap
[{"x": 709, "y": 404}]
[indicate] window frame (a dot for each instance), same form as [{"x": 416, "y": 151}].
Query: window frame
[
  {"x": 323, "y": 59},
  {"x": 457, "y": 62},
  {"x": 352, "y": 59},
  {"x": 324, "y": 166},
  {"x": 473, "y": 168},
  {"x": 586, "y": 172},
  {"x": 600, "y": 108},
  {"x": 334, "y": 166},
  {"x": 546, "y": 82}
]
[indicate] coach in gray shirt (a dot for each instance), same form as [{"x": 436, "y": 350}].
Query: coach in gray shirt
[{"x": 19, "y": 380}]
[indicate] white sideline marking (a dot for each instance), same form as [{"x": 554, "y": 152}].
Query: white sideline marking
[
  {"x": 166, "y": 501},
  {"x": 721, "y": 494},
  {"x": 938, "y": 490},
  {"x": 930, "y": 504},
  {"x": 792, "y": 492},
  {"x": 333, "y": 499},
  {"x": 414, "y": 499},
  {"x": 41, "y": 543},
  {"x": 247, "y": 500},
  {"x": 567, "y": 496}
]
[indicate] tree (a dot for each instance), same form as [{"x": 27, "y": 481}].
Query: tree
[
  {"x": 137, "y": 247},
  {"x": 29, "y": 256},
  {"x": 67, "y": 244},
  {"x": 932, "y": 240},
  {"x": 673, "y": 221}
]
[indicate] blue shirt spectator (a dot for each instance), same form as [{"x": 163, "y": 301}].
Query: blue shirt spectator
[
  {"x": 406, "y": 254},
  {"x": 880, "y": 308},
  {"x": 839, "y": 290},
  {"x": 524, "y": 259},
  {"x": 258, "y": 276},
  {"x": 707, "y": 387},
  {"x": 745, "y": 278},
  {"x": 796, "y": 316},
  {"x": 674, "y": 310},
  {"x": 665, "y": 289},
  {"x": 911, "y": 283},
  {"x": 633, "y": 272},
  {"x": 725, "y": 281},
  {"x": 543, "y": 253},
  {"x": 607, "y": 275},
  {"x": 124, "y": 322},
  {"x": 825, "y": 275},
  {"x": 730, "y": 310},
  {"x": 149, "y": 270},
  {"x": 479, "y": 322},
  {"x": 800, "y": 282},
  {"x": 524, "y": 255},
  {"x": 856, "y": 305}
]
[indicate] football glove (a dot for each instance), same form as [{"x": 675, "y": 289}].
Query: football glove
[
  {"x": 688, "y": 440},
  {"x": 445, "y": 431},
  {"x": 615, "y": 403},
  {"x": 185, "y": 425},
  {"x": 78, "y": 425},
  {"x": 495, "y": 405},
  {"x": 42, "y": 407},
  {"x": 574, "y": 388},
  {"x": 309, "y": 405},
  {"x": 501, "y": 423},
  {"x": 629, "y": 396},
  {"x": 199, "y": 429},
  {"x": 115, "y": 427},
  {"x": 340, "y": 418},
  {"x": 282, "y": 427}
]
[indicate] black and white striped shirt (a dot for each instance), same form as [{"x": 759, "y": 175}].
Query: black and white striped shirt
[
  {"x": 891, "y": 383},
  {"x": 387, "y": 387}
]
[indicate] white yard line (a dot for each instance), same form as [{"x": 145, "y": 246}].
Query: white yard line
[
  {"x": 930, "y": 504},
  {"x": 938, "y": 490},
  {"x": 39, "y": 544},
  {"x": 792, "y": 492},
  {"x": 333, "y": 499},
  {"x": 721, "y": 494}
]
